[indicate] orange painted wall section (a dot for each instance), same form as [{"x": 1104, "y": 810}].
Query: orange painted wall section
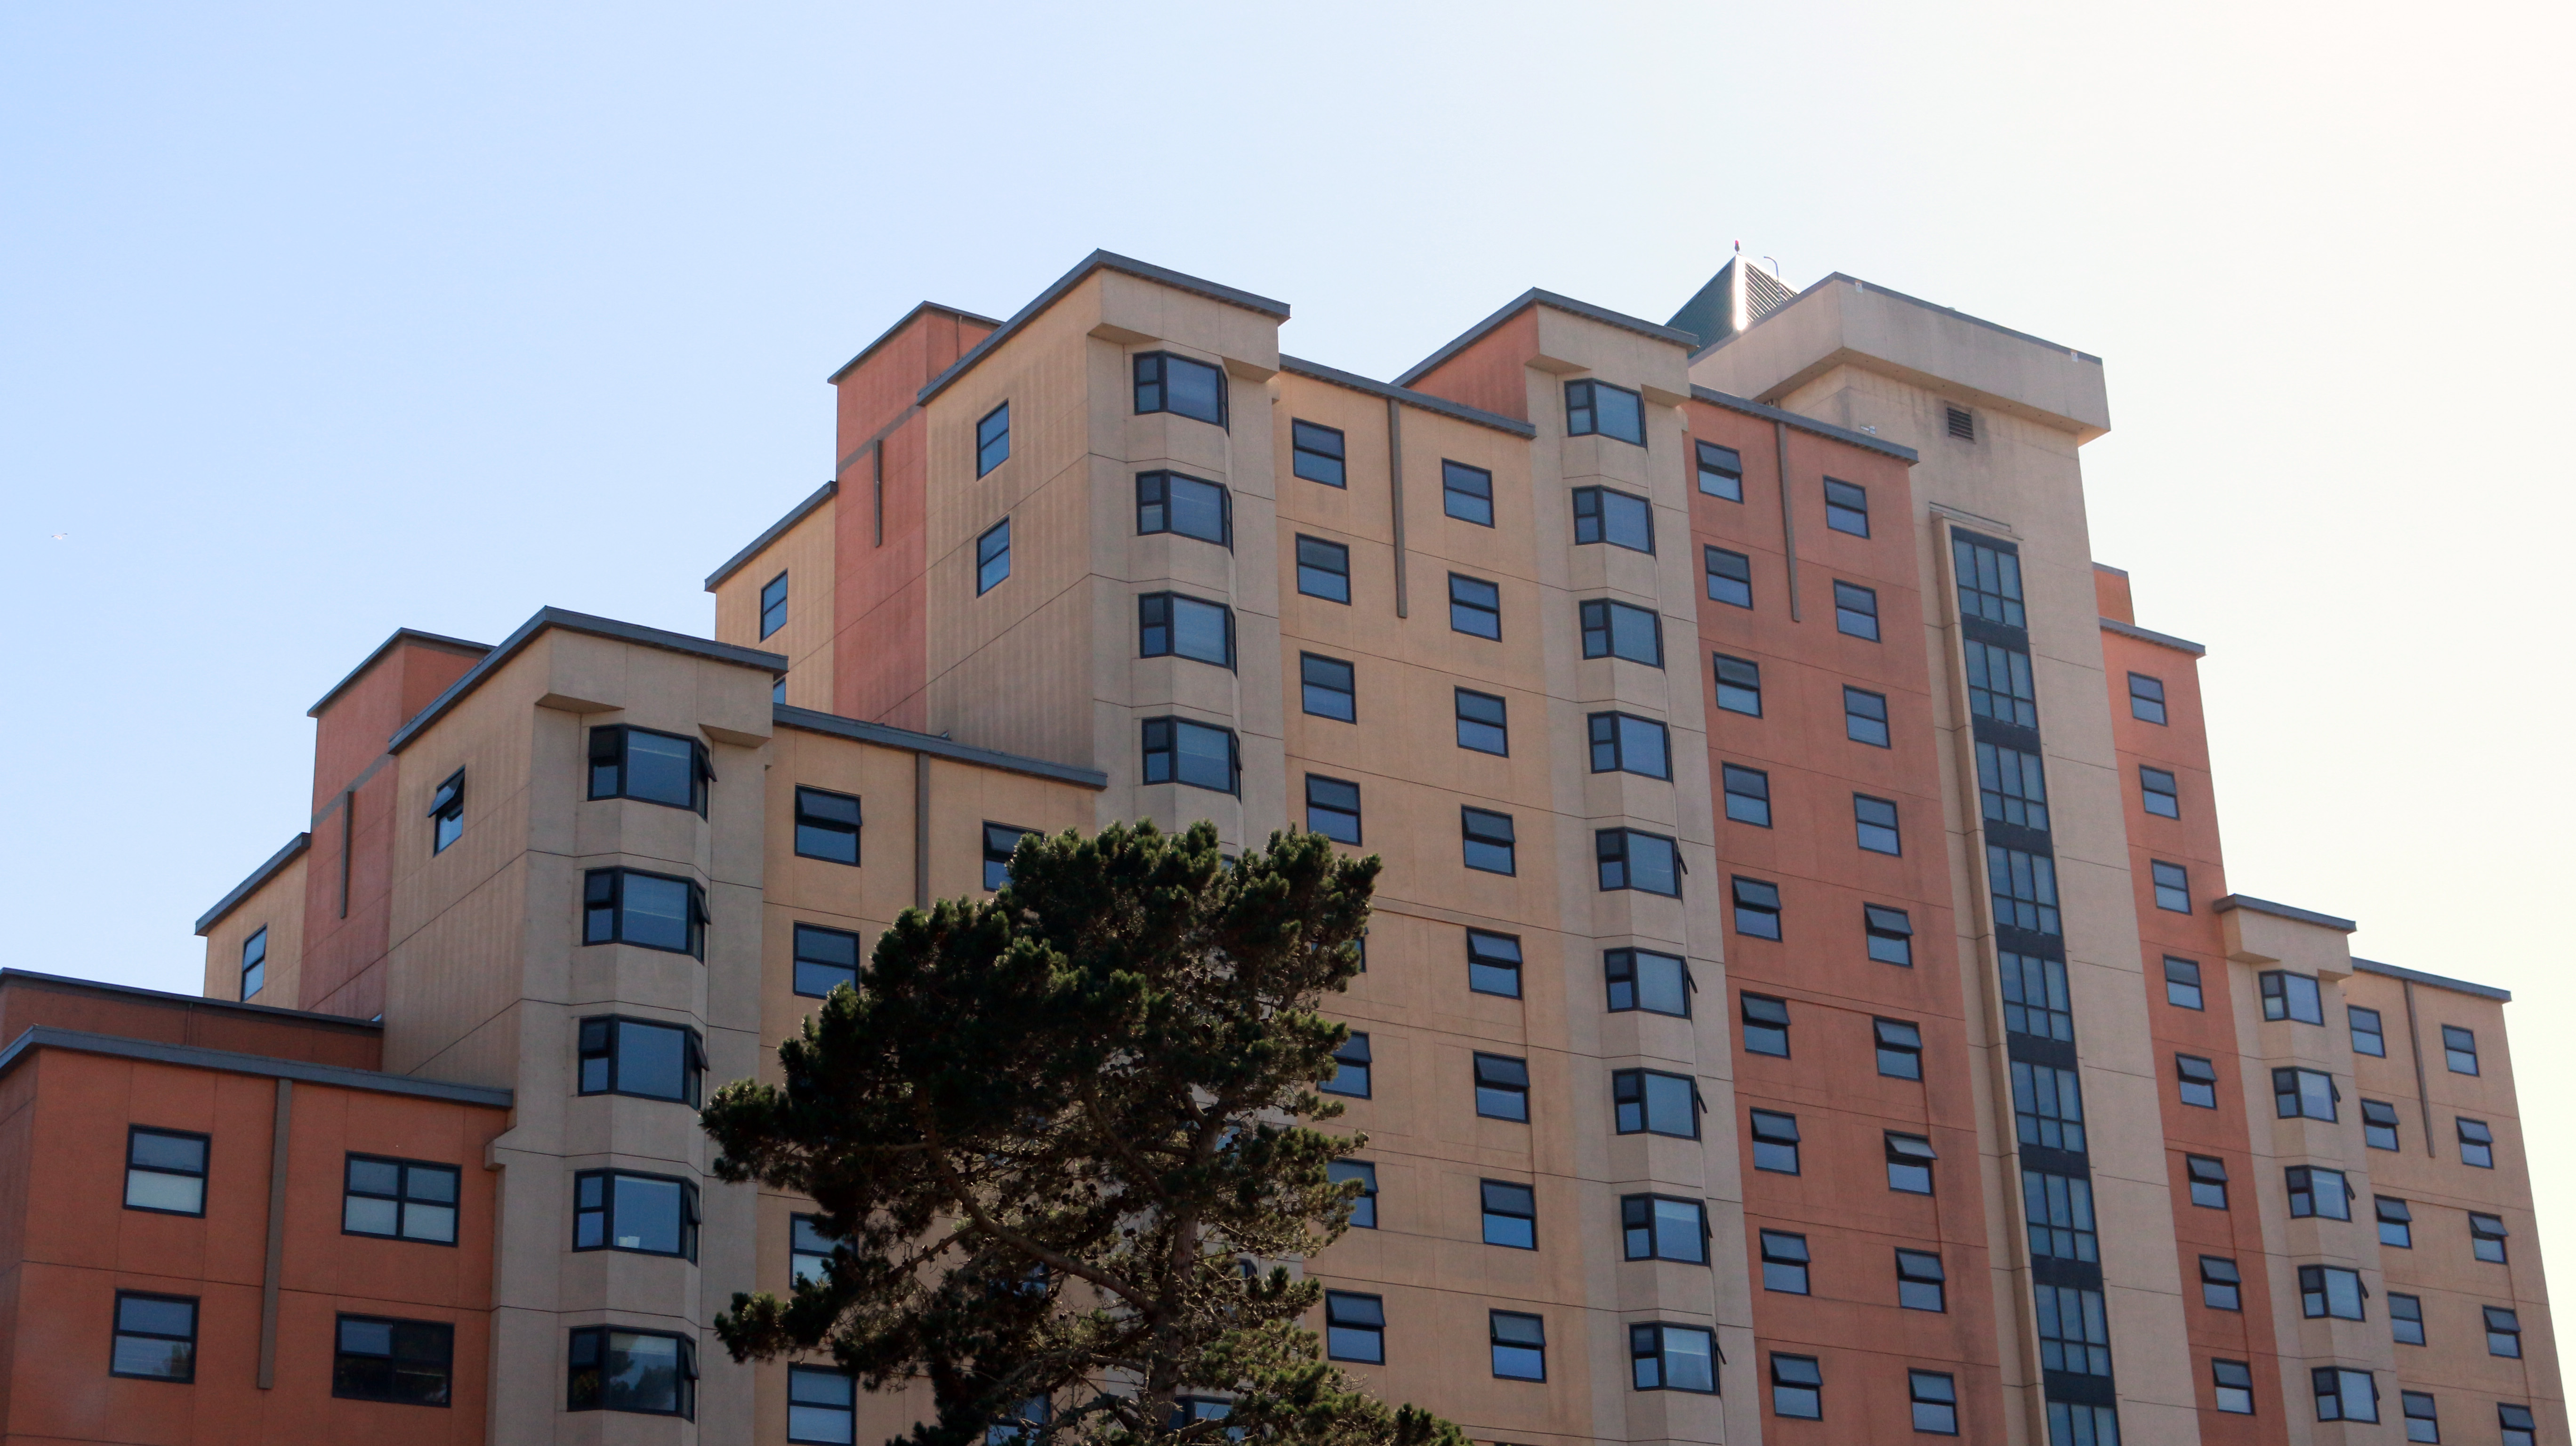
[
  {"x": 1492, "y": 372},
  {"x": 170, "y": 1019}
]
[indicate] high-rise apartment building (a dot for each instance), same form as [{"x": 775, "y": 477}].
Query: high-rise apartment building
[{"x": 1805, "y": 1002}]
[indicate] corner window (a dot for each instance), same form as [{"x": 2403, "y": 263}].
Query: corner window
[
  {"x": 1485, "y": 840},
  {"x": 1171, "y": 624},
  {"x": 1989, "y": 581},
  {"x": 1323, "y": 569},
  {"x": 1900, "y": 1048},
  {"x": 632, "y": 1057},
  {"x": 1890, "y": 933},
  {"x": 1766, "y": 1024},
  {"x": 2146, "y": 698},
  {"x": 2024, "y": 888},
  {"x": 1181, "y": 386},
  {"x": 2222, "y": 1286},
  {"x": 1874, "y": 825},
  {"x": 2059, "y": 1209},
  {"x": 1625, "y": 743},
  {"x": 2396, "y": 1222},
  {"x": 1757, "y": 908},
  {"x": 2198, "y": 1079},
  {"x": 2182, "y": 983},
  {"x": 1355, "y": 1327},
  {"x": 446, "y": 813},
  {"x": 647, "y": 1214},
  {"x": 1475, "y": 607},
  {"x": 1493, "y": 964},
  {"x": 1672, "y": 1358},
  {"x": 2035, "y": 998},
  {"x": 1622, "y": 630},
  {"x": 1721, "y": 471},
  {"x": 1846, "y": 507},
  {"x": 1739, "y": 685},
  {"x": 399, "y": 1199},
  {"x": 254, "y": 963},
  {"x": 2231, "y": 1385},
  {"x": 2074, "y": 1333},
  {"x": 2048, "y": 1106},
  {"x": 1180, "y": 751},
  {"x": 2367, "y": 1037},
  {"x": 1502, "y": 1088},
  {"x": 1775, "y": 1142},
  {"x": 2291, "y": 996},
  {"x": 1748, "y": 794},
  {"x": 2304, "y": 1093},
  {"x": 1999, "y": 685},
  {"x": 1603, "y": 514},
  {"x": 1467, "y": 493},
  {"x": 1909, "y": 1164},
  {"x": 2011, "y": 787},
  {"x": 1730, "y": 576},
  {"x": 1327, "y": 688},
  {"x": 1785, "y": 1262},
  {"x": 1935, "y": 1398},
  {"x": 1520, "y": 1345},
  {"x": 1865, "y": 717},
  {"x": 2162, "y": 796},
  {"x": 826, "y": 959},
  {"x": 2406, "y": 1320},
  {"x": 649, "y": 1372},
  {"x": 2318, "y": 1192},
  {"x": 993, "y": 439},
  {"x": 1919, "y": 1281},
  {"x": 1598, "y": 408},
  {"x": 2329, "y": 1290},
  {"x": 2486, "y": 1237},
  {"x": 1351, "y": 1067},
  {"x": 404, "y": 1362},
  {"x": 2459, "y": 1049},
  {"x": 2208, "y": 1177},
  {"x": 1483, "y": 723},
  {"x": 1658, "y": 1227},
  {"x": 156, "y": 1337},
  {"x": 1645, "y": 1101},
  {"x": 1316, "y": 453},
  {"x": 827, "y": 826},
  {"x": 2345, "y": 1395},
  {"x": 2173, "y": 887},
  {"x": 822, "y": 1406},
  {"x": 773, "y": 605},
  {"x": 1856, "y": 611},
  {"x": 1333, "y": 808},
  {"x": 1797, "y": 1387},
  {"x": 1643, "y": 979},
  {"x": 992, "y": 557},
  {"x": 650, "y": 911},
  {"x": 2477, "y": 1144},
  {"x": 1187, "y": 506},
  {"x": 1364, "y": 1204},
  {"x": 1001, "y": 840},
  {"x": 1647, "y": 862},
  {"x": 165, "y": 1171},
  {"x": 1511, "y": 1214},
  {"x": 638, "y": 763},
  {"x": 809, "y": 1250}
]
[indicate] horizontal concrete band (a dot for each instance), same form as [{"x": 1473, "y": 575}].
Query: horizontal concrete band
[{"x": 233, "y": 1062}]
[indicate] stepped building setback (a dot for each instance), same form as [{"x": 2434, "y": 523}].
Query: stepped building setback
[{"x": 1806, "y": 1001}]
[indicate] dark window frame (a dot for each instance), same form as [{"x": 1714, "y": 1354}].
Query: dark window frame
[
  {"x": 1496, "y": 1321},
  {"x": 2199, "y": 999},
  {"x": 1747, "y": 906},
  {"x": 1501, "y": 723},
  {"x": 847, "y": 1406},
  {"x": 1459, "y": 482},
  {"x": 1856, "y": 611},
  {"x": 2459, "y": 1044},
  {"x": 117, "y": 1332},
  {"x": 798, "y": 962},
  {"x": 1364, "y": 1204},
  {"x": 1323, "y": 551},
  {"x": 394, "y": 1359},
  {"x": 1617, "y": 868},
  {"x": 1155, "y": 490},
  {"x": 1797, "y": 1382},
  {"x": 2474, "y": 1135},
  {"x": 690, "y": 1216},
  {"x": 403, "y": 1199},
  {"x": 2159, "y": 783},
  {"x": 1775, "y": 1131},
  {"x": 1785, "y": 1258},
  {"x": 1306, "y": 440},
  {"x": 610, "y": 750},
  {"x": 1763, "y": 1023},
  {"x": 446, "y": 814},
  {"x": 1621, "y": 967},
  {"x": 1523, "y": 1207},
  {"x": 2282, "y": 996},
  {"x": 1651, "y": 1341},
  {"x": 1584, "y": 412},
  {"x": 1898, "y": 1042},
  {"x": 1617, "y": 726},
  {"x": 989, "y": 555},
  {"x": 1744, "y": 794},
  {"x": 1469, "y": 839},
  {"x": 2376, "y": 1033},
  {"x": 1845, "y": 501},
  {"x": 1870, "y": 825},
  {"x": 773, "y": 610},
  {"x": 205, "y": 1153},
  {"x": 1499, "y": 967},
  {"x": 1366, "y": 1317},
  {"x": 1919, "y": 1269},
  {"x": 827, "y": 826},
  {"x": 2222, "y": 1284},
  {"x": 1346, "y": 687},
  {"x": 992, "y": 444},
  {"x": 1860, "y": 724},
  {"x": 1594, "y": 513},
  {"x": 2152, "y": 696},
  {"x": 254, "y": 965},
  {"x": 1629, "y": 1089},
  {"x": 605, "y": 890},
  {"x": 1733, "y": 569},
  {"x": 1506, "y": 1079},
  {"x": 1332, "y": 809},
  {"x": 1170, "y": 726},
  {"x": 1352, "y": 1062},
  {"x": 1476, "y": 610},
  {"x": 613, "y": 1027},
  {"x": 1880, "y": 923},
  {"x": 2207, "y": 1177},
  {"x": 1159, "y": 364},
  {"x": 1746, "y": 682},
  {"x": 597, "y": 1338},
  {"x": 1160, "y": 610},
  {"x": 1728, "y": 469},
  {"x": 1600, "y": 617},
  {"x": 1638, "y": 1213}
]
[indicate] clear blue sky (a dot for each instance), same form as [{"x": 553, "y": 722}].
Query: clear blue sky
[{"x": 320, "y": 320}]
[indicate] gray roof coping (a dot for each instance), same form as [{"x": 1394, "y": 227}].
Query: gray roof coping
[
  {"x": 597, "y": 627},
  {"x": 435, "y": 640},
  {"x": 1868, "y": 286},
  {"x": 1424, "y": 400},
  {"x": 2281, "y": 911},
  {"x": 2438, "y": 981},
  {"x": 195, "y": 1001},
  {"x": 2150, "y": 635},
  {"x": 1536, "y": 296},
  {"x": 46, "y": 1036},
  {"x": 890, "y": 736},
  {"x": 1750, "y": 407},
  {"x": 795, "y": 514},
  {"x": 245, "y": 888},
  {"x": 1097, "y": 261},
  {"x": 891, "y": 332}
]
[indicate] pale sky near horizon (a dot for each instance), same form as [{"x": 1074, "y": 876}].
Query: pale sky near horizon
[{"x": 320, "y": 320}]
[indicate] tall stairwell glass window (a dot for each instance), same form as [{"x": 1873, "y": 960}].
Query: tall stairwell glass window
[
  {"x": 254, "y": 963},
  {"x": 1602, "y": 514},
  {"x": 1467, "y": 493},
  {"x": 1598, "y": 408},
  {"x": 2048, "y": 1107},
  {"x": 1721, "y": 471},
  {"x": 1846, "y": 508},
  {"x": 1317, "y": 453},
  {"x": 639, "y": 763},
  {"x": 650, "y": 911},
  {"x": 1999, "y": 685},
  {"x": 993, "y": 557},
  {"x": 993, "y": 439},
  {"x": 1989, "y": 582},
  {"x": 2035, "y": 997},
  {"x": 773, "y": 605},
  {"x": 1622, "y": 630},
  {"x": 2074, "y": 1331},
  {"x": 1180, "y": 751},
  {"x": 1180, "y": 385},
  {"x": 2011, "y": 787},
  {"x": 447, "y": 813},
  {"x": 1185, "y": 506},
  {"x": 1323, "y": 569},
  {"x": 1176, "y": 625},
  {"x": 1475, "y": 607},
  {"x": 2059, "y": 1211},
  {"x": 1856, "y": 611},
  {"x": 2024, "y": 887},
  {"x": 1730, "y": 576}
]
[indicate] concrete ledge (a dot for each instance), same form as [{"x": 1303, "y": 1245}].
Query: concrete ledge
[
  {"x": 231, "y": 1062},
  {"x": 2437, "y": 981},
  {"x": 191, "y": 1001},
  {"x": 2149, "y": 635},
  {"x": 597, "y": 627},
  {"x": 1317, "y": 371},
  {"x": 2281, "y": 911},
  {"x": 888, "y": 736}
]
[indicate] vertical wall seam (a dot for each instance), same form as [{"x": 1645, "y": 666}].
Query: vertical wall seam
[
  {"x": 2415, "y": 1047},
  {"x": 1395, "y": 494},
  {"x": 921, "y": 831},
  {"x": 1788, "y": 523},
  {"x": 348, "y": 838},
  {"x": 878, "y": 448},
  {"x": 280, "y": 1137}
]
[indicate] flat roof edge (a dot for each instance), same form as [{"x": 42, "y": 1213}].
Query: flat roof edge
[
  {"x": 598, "y": 627},
  {"x": 1096, "y": 261},
  {"x": 1317, "y": 371},
  {"x": 435, "y": 640},
  {"x": 891, "y": 332},
  {"x": 241, "y": 891},
  {"x": 886, "y": 734},
  {"x": 1871, "y": 286},
  {"x": 1751, "y": 407},
  {"x": 46, "y": 1036},
  {"x": 1539, "y": 296},
  {"x": 2438, "y": 981},
  {"x": 795, "y": 514},
  {"x": 193, "y": 1001},
  {"x": 2281, "y": 911},
  {"x": 2150, "y": 635}
]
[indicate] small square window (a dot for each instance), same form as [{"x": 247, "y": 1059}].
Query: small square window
[
  {"x": 1326, "y": 688},
  {"x": 165, "y": 1171},
  {"x": 992, "y": 557},
  {"x": 1748, "y": 794},
  {"x": 404, "y": 1362},
  {"x": 1643, "y": 979},
  {"x": 1721, "y": 471},
  {"x": 1317, "y": 454},
  {"x": 2182, "y": 983},
  {"x": 1856, "y": 611},
  {"x": 2477, "y": 1143},
  {"x": 1766, "y": 1025},
  {"x": 1730, "y": 576},
  {"x": 1485, "y": 839},
  {"x": 156, "y": 1337},
  {"x": 2406, "y": 1319},
  {"x": 2291, "y": 996},
  {"x": 1797, "y": 1388},
  {"x": 1865, "y": 717},
  {"x": 1935, "y": 1398},
  {"x": 2459, "y": 1049},
  {"x": 2198, "y": 1081},
  {"x": 2163, "y": 796},
  {"x": 826, "y": 959},
  {"x": 1900, "y": 1048},
  {"x": 1198, "y": 754},
  {"x": 1467, "y": 493},
  {"x": 1874, "y": 825},
  {"x": 2422, "y": 1423},
  {"x": 2233, "y": 1383},
  {"x": 1171, "y": 502},
  {"x": 2516, "y": 1424},
  {"x": 2486, "y": 1237},
  {"x": 1757, "y": 908},
  {"x": 993, "y": 439},
  {"x": 1475, "y": 607},
  {"x": 1001, "y": 840},
  {"x": 446, "y": 818},
  {"x": 2396, "y": 1222},
  {"x": 1363, "y": 1205},
  {"x": 1775, "y": 1142},
  {"x": 1657, "y": 1227},
  {"x": 1483, "y": 723},
  {"x": 1180, "y": 385},
  {"x": 2208, "y": 1177},
  {"x": 2367, "y": 1037},
  {"x": 1351, "y": 1068},
  {"x": 1890, "y": 933},
  {"x": 773, "y": 605},
  {"x": 1630, "y": 859},
  {"x": 1846, "y": 508},
  {"x": 2173, "y": 887},
  {"x": 1502, "y": 1088},
  {"x": 1333, "y": 808},
  {"x": 2504, "y": 1332},
  {"x": 1784, "y": 1262},
  {"x": 1596, "y": 407},
  {"x": 1355, "y": 1327},
  {"x": 2146, "y": 698},
  {"x": 2221, "y": 1286},
  {"x": 1625, "y": 743},
  {"x": 827, "y": 826},
  {"x": 1909, "y": 1164},
  {"x": 1511, "y": 1214},
  {"x": 1919, "y": 1281},
  {"x": 822, "y": 1406},
  {"x": 1603, "y": 514},
  {"x": 1493, "y": 964},
  {"x": 1622, "y": 630},
  {"x": 1323, "y": 569},
  {"x": 1739, "y": 685},
  {"x": 1520, "y": 1345},
  {"x": 2379, "y": 1124}
]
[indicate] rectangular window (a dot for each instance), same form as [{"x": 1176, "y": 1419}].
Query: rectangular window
[
  {"x": 1475, "y": 607},
  {"x": 1989, "y": 581},
  {"x": 648, "y": 1372},
  {"x": 1467, "y": 493},
  {"x": 822, "y": 1406},
  {"x": 1333, "y": 808},
  {"x": 1757, "y": 908},
  {"x": 1865, "y": 717},
  {"x": 2516, "y": 1424},
  {"x": 2396, "y": 1221},
  {"x": 1672, "y": 1358},
  {"x": 1775, "y": 1142},
  {"x": 2208, "y": 1176},
  {"x": 165, "y": 1171},
  {"x": 827, "y": 826},
  {"x": 1624, "y": 743},
  {"x": 650, "y": 911},
  {"x": 446, "y": 814},
  {"x": 254, "y": 963},
  {"x": 1919, "y": 1281},
  {"x": 1520, "y": 1345},
  {"x": 992, "y": 556},
  {"x": 1622, "y": 630},
  {"x": 2173, "y": 888},
  {"x": 2486, "y": 1237},
  {"x": 1328, "y": 687},
  {"x": 1647, "y": 862},
  {"x": 1000, "y": 841},
  {"x": 2222, "y": 1287},
  {"x": 1766, "y": 1024},
  {"x": 1485, "y": 840},
  {"x": 1493, "y": 964},
  {"x": 2422, "y": 1424},
  {"x": 829, "y": 958},
  {"x": 2328, "y": 1290},
  {"x": 2035, "y": 999},
  {"x": 1181, "y": 386},
  {"x": 2198, "y": 1080},
  {"x": 1890, "y": 933},
  {"x": 1935, "y": 1398},
  {"x": 1644, "y": 979},
  {"x": 2074, "y": 1335},
  {"x": 2477, "y": 1143},
  {"x": 809, "y": 1251},
  {"x": 1784, "y": 1263},
  {"x": 1856, "y": 611},
  {"x": 156, "y": 1337},
  {"x": 1317, "y": 454},
  {"x": 638, "y": 763},
  {"x": 2059, "y": 1209},
  {"x": 1645, "y": 1101},
  {"x": 2024, "y": 886},
  {"x": 2459, "y": 1049},
  {"x": 1170, "y": 624},
  {"x": 1730, "y": 576},
  {"x": 1483, "y": 723},
  {"x": 1355, "y": 1327},
  {"x": 1739, "y": 685},
  {"x": 2304, "y": 1092},
  {"x": 2345, "y": 1395},
  {"x": 2146, "y": 698},
  {"x": 1909, "y": 1164},
  {"x": 1721, "y": 471},
  {"x": 2163, "y": 797},
  {"x": 2291, "y": 996},
  {"x": 2366, "y": 1035},
  {"x": 648, "y": 1214},
  {"x": 1511, "y": 1214},
  {"x": 1748, "y": 794},
  {"x": 773, "y": 605},
  {"x": 1797, "y": 1388},
  {"x": 1364, "y": 1204},
  {"x": 2232, "y": 1383},
  {"x": 1596, "y": 407},
  {"x": 2048, "y": 1106},
  {"x": 1846, "y": 508},
  {"x": 993, "y": 439},
  {"x": 2182, "y": 983},
  {"x": 1180, "y": 751},
  {"x": 2012, "y": 787},
  {"x": 1874, "y": 825},
  {"x": 405, "y": 1362},
  {"x": 1351, "y": 1069},
  {"x": 1323, "y": 569},
  {"x": 1999, "y": 684},
  {"x": 2318, "y": 1192},
  {"x": 1621, "y": 519},
  {"x": 2406, "y": 1319},
  {"x": 1022, "y": 1423},
  {"x": 1502, "y": 1088},
  {"x": 1658, "y": 1227},
  {"x": 1900, "y": 1048},
  {"x": 403, "y": 1199},
  {"x": 1188, "y": 506}
]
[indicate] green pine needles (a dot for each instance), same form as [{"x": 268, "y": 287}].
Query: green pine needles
[{"x": 1062, "y": 1141}]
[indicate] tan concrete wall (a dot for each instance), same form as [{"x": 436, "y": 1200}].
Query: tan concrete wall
[
  {"x": 278, "y": 907},
  {"x": 805, "y": 554}
]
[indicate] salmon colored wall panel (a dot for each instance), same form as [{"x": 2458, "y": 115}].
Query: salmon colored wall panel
[
  {"x": 25, "y": 1003},
  {"x": 881, "y": 638},
  {"x": 1488, "y": 374}
]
